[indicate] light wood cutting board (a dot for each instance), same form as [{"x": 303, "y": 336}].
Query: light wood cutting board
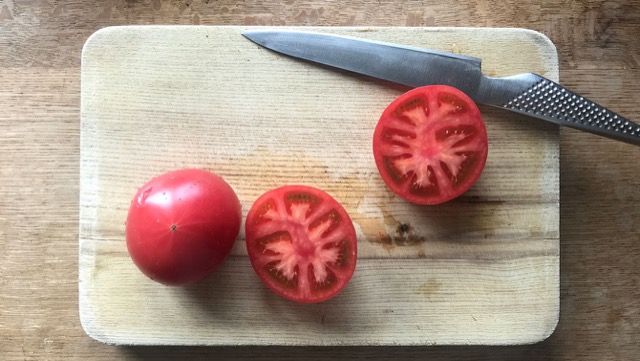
[{"x": 482, "y": 269}]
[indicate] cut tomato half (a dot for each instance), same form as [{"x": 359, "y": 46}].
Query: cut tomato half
[
  {"x": 301, "y": 243},
  {"x": 430, "y": 144}
]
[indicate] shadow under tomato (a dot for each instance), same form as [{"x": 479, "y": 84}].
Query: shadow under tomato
[
  {"x": 466, "y": 219},
  {"x": 216, "y": 296},
  {"x": 332, "y": 316},
  {"x": 233, "y": 298}
]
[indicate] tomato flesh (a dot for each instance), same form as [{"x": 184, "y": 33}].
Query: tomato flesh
[
  {"x": 430, "y": 144},
  {"x": 301, "y": 243},
  {"x": 181, "y": 225}
]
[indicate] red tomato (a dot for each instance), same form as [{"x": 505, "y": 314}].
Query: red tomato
[
  {"x": 430, "y": 144},
  {"x": 181, "y": 226},
  {"x": 301, "y": 243}
]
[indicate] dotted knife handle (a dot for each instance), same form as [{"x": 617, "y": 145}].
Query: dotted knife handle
[{"x": 550, "y": 101}]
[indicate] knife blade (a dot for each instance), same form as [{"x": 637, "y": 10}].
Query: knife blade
[{"x": 529, "y": 93}]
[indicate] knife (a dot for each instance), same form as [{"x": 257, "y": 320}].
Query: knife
[{"x": 530, "y": 94}]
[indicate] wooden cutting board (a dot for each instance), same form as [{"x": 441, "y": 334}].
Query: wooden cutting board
[{"x": 482, "y": 269}]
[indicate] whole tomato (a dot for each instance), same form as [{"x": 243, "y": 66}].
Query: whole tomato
[{"x": 182, "y": 225}]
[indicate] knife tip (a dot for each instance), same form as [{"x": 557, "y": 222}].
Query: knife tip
[
  {"x": 259, "y": 37},
  {"x": 249, "y": 34}
]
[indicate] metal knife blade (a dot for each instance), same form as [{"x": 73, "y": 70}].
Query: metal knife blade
[{"x": 530, "y": 94}]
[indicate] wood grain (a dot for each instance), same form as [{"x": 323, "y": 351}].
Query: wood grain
[
  {"x": 40, "y": 44},
  {"x": 160, "y": 98}
]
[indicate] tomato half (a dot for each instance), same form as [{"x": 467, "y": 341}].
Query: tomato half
[
  {"x": 430, "y": 144},
  {"x": 181, "y": 226},
  {"x": 301, "y": 243}
]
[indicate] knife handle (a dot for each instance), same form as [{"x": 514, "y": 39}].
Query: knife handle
[{"x": 550, "y": 101}]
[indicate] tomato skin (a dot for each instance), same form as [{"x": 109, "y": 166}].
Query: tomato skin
[
  {"x": 301, "y": 243},
  {"x": 430, "y": 144},
  {"x": 181, "y": 226}
]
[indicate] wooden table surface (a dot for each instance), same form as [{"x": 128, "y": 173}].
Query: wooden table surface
[{"x": 40, "y": 45}]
